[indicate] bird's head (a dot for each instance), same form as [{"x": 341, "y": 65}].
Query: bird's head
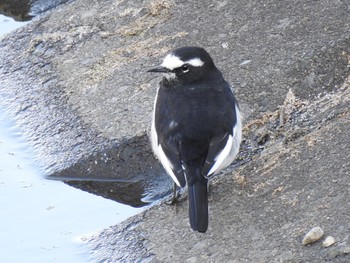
[{"x": 189, "y": 64}]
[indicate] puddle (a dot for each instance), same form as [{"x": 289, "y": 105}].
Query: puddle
[
  {"x": 8, "y": 24},
  {"x": 47, "y": 220},
  {"x": 108, "y": 174},
  {"x": 42, "y": 219},
  {"x": 117, "y": 171}
]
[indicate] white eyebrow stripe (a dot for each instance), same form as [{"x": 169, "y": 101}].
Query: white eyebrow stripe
[
  {"x": 171, "y": 62},
  {"x": 195, "y": 62}
]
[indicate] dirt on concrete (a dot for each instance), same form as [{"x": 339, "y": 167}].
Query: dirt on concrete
[{"x": 75, "y": 81}]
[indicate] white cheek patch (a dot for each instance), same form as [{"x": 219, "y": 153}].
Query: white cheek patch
[{"x": 171, "y": 62}]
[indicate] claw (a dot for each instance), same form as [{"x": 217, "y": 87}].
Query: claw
[{"x": 175, "y": 199}]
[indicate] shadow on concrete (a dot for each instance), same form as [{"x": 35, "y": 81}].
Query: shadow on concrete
[{"x": 119, "y": 174}]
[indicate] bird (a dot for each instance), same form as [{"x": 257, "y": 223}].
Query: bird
[{"x": 196, "y": 127}]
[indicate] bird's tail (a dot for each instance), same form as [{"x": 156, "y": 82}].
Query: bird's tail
[{"x": 198, "y": 205}]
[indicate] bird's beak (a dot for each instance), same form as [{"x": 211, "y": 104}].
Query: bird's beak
[{"x": 159, "y": 69}]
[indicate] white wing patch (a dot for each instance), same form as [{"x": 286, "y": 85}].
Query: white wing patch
[
  {"x": 171, "y": 62},
  {"x": 231, "y": 149},
  {"x": 221, "y": 157},
  {"x": 166, "y": 164},
  {"x": 158, "y": 150}
]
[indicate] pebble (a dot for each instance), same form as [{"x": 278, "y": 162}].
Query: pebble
[
  {"x": 328, "y": 241},
  {"x": 313, "y": 235}
]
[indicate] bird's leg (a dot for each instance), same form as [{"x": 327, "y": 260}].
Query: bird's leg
[{"x": 173, "y": 200}]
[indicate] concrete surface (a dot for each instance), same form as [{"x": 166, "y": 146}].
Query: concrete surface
[
  {"x": 260, "y": 211},
  {"x": 75, "y": 80}
]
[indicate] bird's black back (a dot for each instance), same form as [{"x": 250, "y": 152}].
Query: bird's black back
[{"x": 188, "y": 116}]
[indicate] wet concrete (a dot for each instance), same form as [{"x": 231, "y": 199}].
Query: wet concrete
[
  {"x": 75, "y": 81},
  {"x": 17, "y": 9}
]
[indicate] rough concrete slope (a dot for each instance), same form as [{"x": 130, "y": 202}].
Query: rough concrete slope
[
  {"x": 75, "y": 80},
  {"x": 260, "y": 211}
]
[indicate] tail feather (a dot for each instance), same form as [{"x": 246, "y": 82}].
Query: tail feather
[{"x": 198, "y": 205}]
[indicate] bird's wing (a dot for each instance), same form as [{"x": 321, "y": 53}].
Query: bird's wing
[
  {"x": 219, "y": 149},
  {"x": 169, "y": 156},
  {"x": 224, "y": 145},
  {"x": 164, "y": 145}
]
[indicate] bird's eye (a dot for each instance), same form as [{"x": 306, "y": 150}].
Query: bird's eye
[{"x": 185, "y": 68}]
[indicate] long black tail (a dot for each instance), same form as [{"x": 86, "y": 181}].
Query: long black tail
[{"x": 198, "y": 205}]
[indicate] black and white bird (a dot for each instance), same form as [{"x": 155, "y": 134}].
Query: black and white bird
[{"x": 196, "y": 129}]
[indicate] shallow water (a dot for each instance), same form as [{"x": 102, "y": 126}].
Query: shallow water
[
  {"x": 7, "y": 24},
  {"x": 44, "y": 220}
]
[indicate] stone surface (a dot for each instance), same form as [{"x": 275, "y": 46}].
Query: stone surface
[
  {"x": 75, "y": 81},
  {"x": 315, "y": 234},
  {"x": 328, "y": 241}
]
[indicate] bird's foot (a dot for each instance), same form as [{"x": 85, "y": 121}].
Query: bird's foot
[{"x": 175, "y": 199}]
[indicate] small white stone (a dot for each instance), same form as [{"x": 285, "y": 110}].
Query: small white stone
[
  {"x": 328, "y": 241},
  {"x": 313, "y": 235},
  {"x": 224, "y": 45},
  {"x": 245, "y": 62}
]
